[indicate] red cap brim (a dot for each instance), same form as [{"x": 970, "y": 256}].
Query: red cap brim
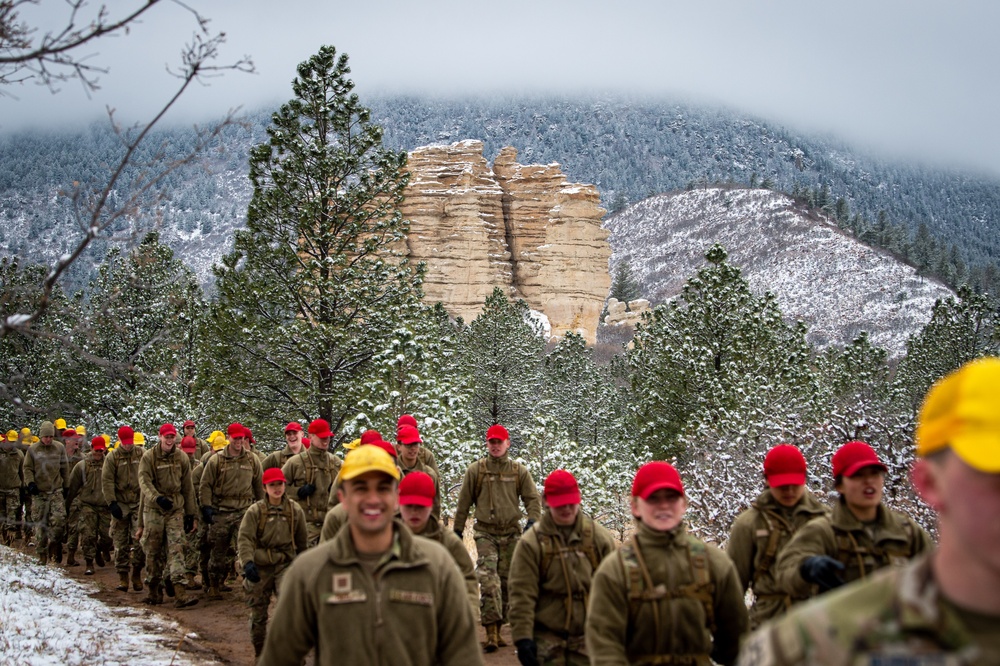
[
  {"x": 562, "y": 499},
  {"x": 787, "y": 479},
  {"x": 861, "y": 464},
  {"x": 418, "y": 500}
]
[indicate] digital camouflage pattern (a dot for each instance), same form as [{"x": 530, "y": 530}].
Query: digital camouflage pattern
[
  {"x": 229, "y": 484},
  {"x": 494, "y": 554},
  {"x": 497, "y": 486},
  {"x": 120, "y": 483},
  {"x": 756, "y": 539},
  {"x": 47, "y": 466},
  {"x": 317, "y": 468},
  {"x": 86, "y": 491},
  {"x": 895, "y": 618}
]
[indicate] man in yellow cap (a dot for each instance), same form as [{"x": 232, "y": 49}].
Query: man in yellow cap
[
  {"x": 375, "y": 593},
  {"x": 944, "y": 607}
]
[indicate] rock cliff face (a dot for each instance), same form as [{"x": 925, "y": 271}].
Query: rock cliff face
[{"x": 519, "y": 227}]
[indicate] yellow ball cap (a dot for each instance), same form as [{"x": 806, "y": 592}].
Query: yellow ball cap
[
  {"x": 366, "y": 459},
  {"x": 12, "y": 436},
  {"x": 107, "y": 438},
  {"x": 962, "y": 412},
  {"x": 34, "y": 439},
  {"x": 353, "y": 444},
  {"x": 61, "y": 424},
  {"x": 81, "y": 430},
  {"x": 217, "y": 440},
  {"x": 25, "y": 431},
  {"x": 139, "y": 439}
]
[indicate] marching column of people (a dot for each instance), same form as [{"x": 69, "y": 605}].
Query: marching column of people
[{"x": 365, "y": 570}]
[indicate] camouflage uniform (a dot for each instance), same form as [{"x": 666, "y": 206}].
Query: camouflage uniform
[
  {"x": 756, "y": 540},
  {"x": 432, "y": 472},
  {"x": 72, "y": 537},
  {"x": 270, "y": 536},
  {"x": 48, "y": 468},
  {"x": 897, "y": 616},
  {"x": 229, "y": 484},
  {"x": 550, "y": 577},
  {"x": 891, "y": 540},
  {"x": 411, "y": 610},
  {"x": 120, "y": 483},
  {"x": 318, "y": 468},
  {"x": 496, "y": 486},
  {"x": 11, "y": 461},
  {"x": 165, "y": 474},
  {"x": 194, "y": 542},
  {"x": 665, "y": 598},
  {"x": 95, "y": 519}
]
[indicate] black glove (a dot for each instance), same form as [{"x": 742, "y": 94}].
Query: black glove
[
  {"x": 206, "y": 513},
  {"x": 116, "y": 511},
  {"x": 33, "y": 488},
  {"x": 823, "y": 571},
  {"x": 527, "y": 526},
  {"x": 306, "y": 490},
  {"x": 527, "y": 652},
  {"x": 165, "y": 503},
  {"x": 250, "y": 572},
  {"x": 189, "y": 523},
  {"x": 65, "y": 493},
  {"x": 459, "y": 533}
]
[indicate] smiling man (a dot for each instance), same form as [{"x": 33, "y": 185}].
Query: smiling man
[
  {"x": 376, "y": 593},
  {"x": 665, "y": 597},
  {"x": 860, "y": 536},
  {"x": 760, "y": 533}
]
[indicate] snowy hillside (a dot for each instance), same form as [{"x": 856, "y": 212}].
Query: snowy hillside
[{"x": 819, "y": 274}]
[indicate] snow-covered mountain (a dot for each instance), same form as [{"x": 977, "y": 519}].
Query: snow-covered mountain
[{"x": 820, "y": 274}]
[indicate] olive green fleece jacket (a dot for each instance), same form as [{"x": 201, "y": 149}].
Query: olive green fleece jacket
[
  {"x": 749, "y": 547},
  {"x": 318, "y": 468},
  {"x": 167, "y": 474},
  {"x": 282, "y": 537},
  {"x": 893, "y": 539},
  {"x": 456, "y": 548},
  {"x": 11, "y": 462},
  {"x": 85, "y": 482},
  {"x": 231, "y": 483},
  {"x": 622, "y": 630},
  {"x": 120, "y": 477},
  {"x": 412, "y": 612},
  {"x": 538, "y": 598},
  {"x": 497, "y": 495},
  {"x": 46, "y": 466}
]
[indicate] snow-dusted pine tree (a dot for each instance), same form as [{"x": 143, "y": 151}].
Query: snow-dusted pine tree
[{"x": 315, "y": 286}]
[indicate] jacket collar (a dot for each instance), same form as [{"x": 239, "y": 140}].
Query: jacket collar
[
  {"x": 404, "y": 552},
  {"x": 887, "y": 529}
]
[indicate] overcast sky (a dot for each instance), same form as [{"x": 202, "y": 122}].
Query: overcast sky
[{"x": 906, "y": 77}]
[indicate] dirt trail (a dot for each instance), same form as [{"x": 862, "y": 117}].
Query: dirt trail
[{"x": 222, "y": 627}]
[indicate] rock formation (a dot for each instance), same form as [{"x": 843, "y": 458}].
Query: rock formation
[{"x": 522, "y": 228}]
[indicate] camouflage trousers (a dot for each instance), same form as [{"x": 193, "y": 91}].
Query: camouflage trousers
[
  {"x": 222, "y": 542},
  {"x": 94, "y": 525},
  {"x": 258, "y": 598},
  {"x": 10, "y": 511},
  {"x": 492, "y": 568},
  {"x": 48, "y": 513},
  {"x": 73, "y": 525},
  {"x": 192, "y": 549},
  {"x": 128, "y": 552},
  {"x": 555, "y": 651},
  {"x": 163, "y": 540}
]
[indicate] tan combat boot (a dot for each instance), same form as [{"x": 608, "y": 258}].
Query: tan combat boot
[
  {"x": 155, "y": 595},
  {"x": 181, "y": 598},
  {"x": 500, "y": 641},
  {"x": 213, "y": 593},
  {"x": 137, "y": 579},
  {"x": 55, "y": 553},
  {"x": 190, "y": 583},
  {"x": 122, "y": 581},
  {"x": 492, "y": 638},
  {"x": 71, "y": 558}
]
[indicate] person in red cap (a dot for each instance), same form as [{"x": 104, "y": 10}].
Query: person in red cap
[
  {"x": 95, "y": 519},
  {"x": 311, "y": 475},
  {"x": 190, "y": 429},
  {"x": 424, "y": 454},
  {"x": 120, "y": 483},
  {"x": 408, "y": 448},
  {"x": 860, "y": 535},
  {"x": 169, "y": 510},
  {"x": 665, "y": 597},
  {"x": 230, "y": 483},
  {"x": 760, "y": 533},
  {"x": 293, "y": 447},
  {"x": 550, "y": 576},
  {"x": 417, "y": 497},
  {"x": 195, "y": 553},
  {"x": 272, "y": 533},
  {"x": 71, "y": 537},
  {"x": 496, "y": 485}
]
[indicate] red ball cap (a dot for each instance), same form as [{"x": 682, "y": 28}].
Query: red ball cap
[
  {"x": 417, "y": 488},
  {"x": 69, "y": 432},
  {"x": 320, "y": 428},
  {"x": 248, "y": 433},
  {"x": 189, "y": 424},
  {"x": 853, "y": 456},
  {"x": 497, "y": 432},
  {"x": 408, "y": 435},
  {"x": 189, "y": 444},
  {"x": 168, "y": 429},
  {"x": 293, "y": 426},
  {"x": 235, "y": 430},
  {"x": 98, "y": 443},
  {"x": 371, "y": 436},
  {"x": 385, "y": 446},
  {"x": 784, "y": 465},
  {"x": 406, "y": 419},
  {"x": 654, "y": 476},
  {"x": 273, "y": 474},
  {"x": 126, "y": 435},
  {"x": 561, "y": 489}
]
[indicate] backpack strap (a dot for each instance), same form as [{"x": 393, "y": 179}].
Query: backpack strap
[{"x": 702, "y": 588}]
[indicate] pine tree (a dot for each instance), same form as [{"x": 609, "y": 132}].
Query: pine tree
[
  {"x": 624, "y": 286},
  {"x": 315, "y": 286}
]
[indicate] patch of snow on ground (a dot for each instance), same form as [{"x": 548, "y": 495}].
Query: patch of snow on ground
[{"x": 47, "y": 618}]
